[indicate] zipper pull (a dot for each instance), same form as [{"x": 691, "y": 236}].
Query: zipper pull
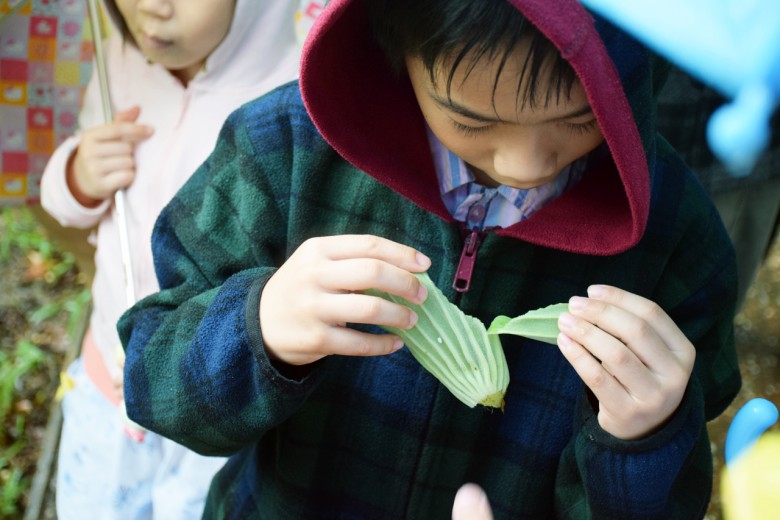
[{"x": 468, "y": 257}]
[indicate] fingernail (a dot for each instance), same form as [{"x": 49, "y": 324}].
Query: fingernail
[
  {"x": 398, "y": 345},
  {"x": 566, "y": 321},
  {"x": 564, "y": 342},
  {"x": 577, "y": 303},
  {"x": 412, "y": 319},
  {"x": 422, "y": 294},
  {"x": 423, "y": 261},
  {"x": 597, "y": 291}
]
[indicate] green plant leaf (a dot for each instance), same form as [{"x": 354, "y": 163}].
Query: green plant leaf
[
  {"x": 454, "y": 348},
  {"x": 457, "y": 349},
  {"x": 540, "y": 324},
  {"x": 45, "y": 312}
]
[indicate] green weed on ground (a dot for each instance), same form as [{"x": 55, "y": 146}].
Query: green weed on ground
[{"x": 42, "y": 301}]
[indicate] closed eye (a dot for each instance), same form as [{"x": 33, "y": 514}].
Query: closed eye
[
  {"x": 581, "y": 128},
  {"x": 470, "y": 131}
]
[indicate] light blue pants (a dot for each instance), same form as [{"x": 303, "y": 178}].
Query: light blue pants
[{"x": 104, "y": 475}]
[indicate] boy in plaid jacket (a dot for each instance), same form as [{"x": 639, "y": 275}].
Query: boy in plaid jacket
[{"x": 509, "y": 149}]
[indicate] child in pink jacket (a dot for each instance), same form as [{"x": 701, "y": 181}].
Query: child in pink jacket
[{"x": 176, "y": 69}]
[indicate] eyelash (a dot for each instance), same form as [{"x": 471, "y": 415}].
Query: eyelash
[
  {"x": 471, "y": 131},
  {"x": 581, "y": 128}
]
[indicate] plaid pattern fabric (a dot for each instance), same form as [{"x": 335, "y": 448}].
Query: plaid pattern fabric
[
  {"x": 684, "y": 109},
  {"x": 380, "y": 438}
]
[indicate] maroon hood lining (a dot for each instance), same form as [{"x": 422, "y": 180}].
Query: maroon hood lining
[{"x": 371, "y": 118}]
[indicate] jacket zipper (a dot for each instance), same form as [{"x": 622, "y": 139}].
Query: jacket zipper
[{"x": 468, "y": 258}]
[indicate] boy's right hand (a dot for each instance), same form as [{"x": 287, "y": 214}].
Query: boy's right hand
[
  {"x": 105, "y": 159},
  {"x": 308, "y": 302}
]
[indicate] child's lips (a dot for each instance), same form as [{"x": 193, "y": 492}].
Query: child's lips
[{"x": 154, "y": 42}]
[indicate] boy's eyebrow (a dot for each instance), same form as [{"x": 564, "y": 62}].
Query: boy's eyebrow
[
  {"x": 467, "y": 112},
  {"x": 461, "y": 110}
]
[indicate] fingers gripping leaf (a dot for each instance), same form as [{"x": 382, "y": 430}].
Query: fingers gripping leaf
[{"x": 457, "y": 349}]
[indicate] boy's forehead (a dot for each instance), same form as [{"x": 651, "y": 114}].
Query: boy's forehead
[{"x": 494, "y": 86}]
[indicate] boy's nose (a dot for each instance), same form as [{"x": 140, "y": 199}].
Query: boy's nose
[{"x": 524, "y": 160}]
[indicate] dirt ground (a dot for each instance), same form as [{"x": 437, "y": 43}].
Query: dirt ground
[{"x": 758, "y": 343}]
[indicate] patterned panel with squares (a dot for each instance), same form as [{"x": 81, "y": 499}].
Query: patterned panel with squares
[{"x": 46, "y": 56}]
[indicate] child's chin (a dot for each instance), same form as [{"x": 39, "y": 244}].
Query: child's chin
[{"x": 524, "y": 185}]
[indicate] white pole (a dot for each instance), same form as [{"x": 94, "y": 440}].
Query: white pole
[{"x": 119, "y": 196}]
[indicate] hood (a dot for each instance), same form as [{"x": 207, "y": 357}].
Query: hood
[
  {"x": 371, "y": 118},
  {"x": 261, "y": 43}
]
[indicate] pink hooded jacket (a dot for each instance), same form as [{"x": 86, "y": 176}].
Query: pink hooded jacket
[{"x": 259, "y": 53}]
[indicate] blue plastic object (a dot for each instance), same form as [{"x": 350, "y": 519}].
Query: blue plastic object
[
  {"x": 748, "y": 424},
  {"x": 732, "y": 45}
]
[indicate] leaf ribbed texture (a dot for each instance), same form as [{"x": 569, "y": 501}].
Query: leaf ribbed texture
[
  {"x": 541, "y": 324},
  {"x": 455, "y": 348}
]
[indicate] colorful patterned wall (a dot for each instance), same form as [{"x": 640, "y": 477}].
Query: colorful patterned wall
[{"x": 45, "y": 62}]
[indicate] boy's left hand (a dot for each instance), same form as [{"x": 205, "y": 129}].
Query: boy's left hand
[
  {"x": 632, "y": 356},
  {"x": 471, "y": 503}
]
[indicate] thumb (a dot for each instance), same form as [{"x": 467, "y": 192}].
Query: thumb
[
  {"x": 471, "y": 503},
  {"x": 129, "y": 115}
]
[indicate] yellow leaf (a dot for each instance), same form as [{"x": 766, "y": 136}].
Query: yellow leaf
[{"x": 66, "y": 385}]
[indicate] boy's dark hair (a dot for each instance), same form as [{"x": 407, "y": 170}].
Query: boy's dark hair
[
  {"x": 119, "y": 21},
  {"x": 449, "y": 31}
]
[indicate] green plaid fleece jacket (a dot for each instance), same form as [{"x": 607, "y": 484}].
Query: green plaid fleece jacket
[
  {"x": 344, "y": 152},
  {"x": 379, "y": 437}
]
